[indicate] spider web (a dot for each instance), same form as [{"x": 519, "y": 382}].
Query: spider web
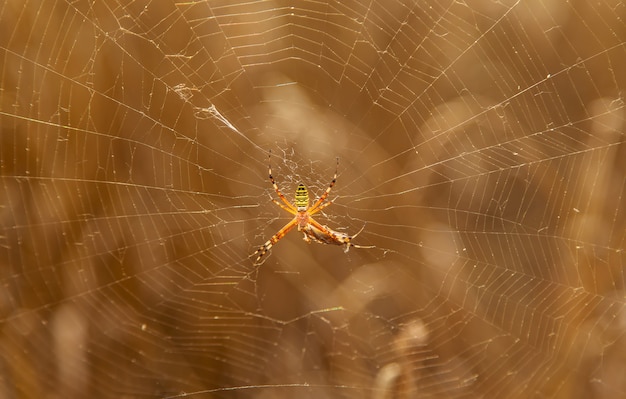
[{"x": 481, "y": 147}]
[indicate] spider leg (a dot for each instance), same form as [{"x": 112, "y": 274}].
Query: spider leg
[
  {"x": 280, "y": 195},
  {"x": 284, "y": 207},
  {"x": 314, "y": 207},
  {"x": 263, "y": 249},
  {"x": 320, "y": 207}
]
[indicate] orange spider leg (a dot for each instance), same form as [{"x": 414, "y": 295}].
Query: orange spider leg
[
  {"x": 263, "y": 249},
  {"x": 280, "y": 195},
  {"x": 313, "y": 209},
  {"x": 319, "y": 208},
  {"x": 290, "y": 210}
]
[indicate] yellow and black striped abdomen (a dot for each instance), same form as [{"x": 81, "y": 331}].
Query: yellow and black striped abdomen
[{"x": 302, "y": 198}]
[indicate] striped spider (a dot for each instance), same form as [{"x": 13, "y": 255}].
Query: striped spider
[{"x": 311, "y": 229}]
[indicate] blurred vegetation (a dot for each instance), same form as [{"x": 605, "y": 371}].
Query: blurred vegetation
[{"x": 481, "y": 145}]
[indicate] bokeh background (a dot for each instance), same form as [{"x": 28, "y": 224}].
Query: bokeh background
[{"x": 481, "y": 148}]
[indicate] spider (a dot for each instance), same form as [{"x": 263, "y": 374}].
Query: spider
[{"x": 303, "y": 213}]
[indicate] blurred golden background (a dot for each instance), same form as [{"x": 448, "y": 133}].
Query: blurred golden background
[{"x": 481, "y": 148}]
